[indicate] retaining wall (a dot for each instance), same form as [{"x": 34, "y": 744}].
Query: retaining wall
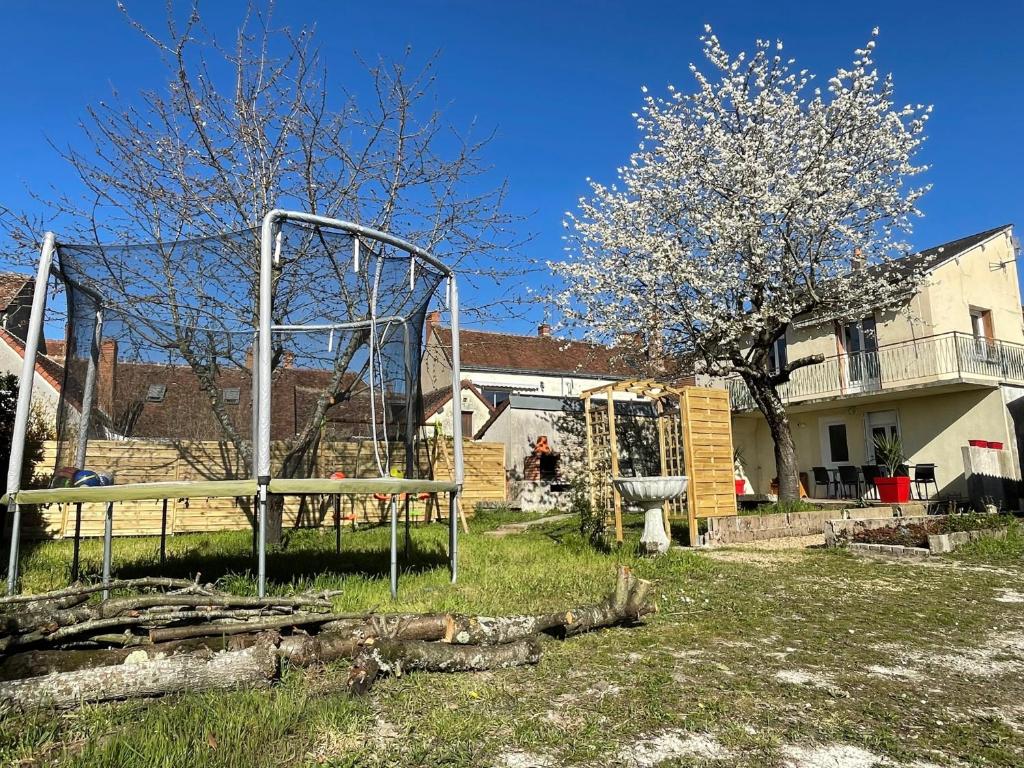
[{"x": 742, "y": 529}]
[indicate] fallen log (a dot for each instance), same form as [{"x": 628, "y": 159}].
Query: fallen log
[
  {"x": 164, "y": 634},
  {"x": 253, "y": 667},
  {"x": 395, "y": 657},
  {"x": 628, "y": 603},
  {"x": 76, "y": 590}
]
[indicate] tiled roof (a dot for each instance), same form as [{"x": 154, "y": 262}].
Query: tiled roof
[
  {"x": 45, "y": 367},
  {"x": 931, "y": 258},
  {"x": 486, "y": 350},
  {"x": 11, "y": 284},
  {"x": 434, "y": 401}
]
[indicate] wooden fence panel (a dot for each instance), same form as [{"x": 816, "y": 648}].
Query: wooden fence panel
[
  {"x": 139, "y": 461},
  {"x": 707, "y": 428}
]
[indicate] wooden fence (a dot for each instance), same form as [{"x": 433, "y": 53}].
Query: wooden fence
[
  {"x": 141, "y": 461},
  {"x": 707, "y": 440}
]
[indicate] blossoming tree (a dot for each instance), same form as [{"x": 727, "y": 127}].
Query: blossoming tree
[{"x": 756, "y": 199}]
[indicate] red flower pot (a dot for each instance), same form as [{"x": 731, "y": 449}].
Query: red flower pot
[
  {"x": 978, "y": 443},
  {"x": 893, "y": 490},
  {"x": 995, "y": 445},
  {"x": 741, "y": 486}
]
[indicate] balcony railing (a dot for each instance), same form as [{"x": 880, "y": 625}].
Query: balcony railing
[{"x": 947, "y": 357}]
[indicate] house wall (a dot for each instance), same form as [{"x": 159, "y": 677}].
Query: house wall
[
  {"x": 984, "y": 277},
  {"x": 942, "y": 305},
  {"x": 470, "y": 402},
  {"x": 43, "y": 392},
  {"x": 975, "y": 413}
]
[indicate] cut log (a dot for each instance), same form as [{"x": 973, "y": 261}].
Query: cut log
[
  {"x": 254, "y": 667},
  {"x": 18, "y": 666},
  {"x": 628, "y": 603},
  {"x": 396, "y": 657}
]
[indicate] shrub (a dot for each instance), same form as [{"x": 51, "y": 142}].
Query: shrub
[
  {"x": 40, "y": 429},
  {"x": 592, "y": 520}
]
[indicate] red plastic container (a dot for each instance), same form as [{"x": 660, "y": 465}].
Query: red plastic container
[
  {"x": 995, "y": 445},
  {"x": 893, "y": 490},
  {"x": 978, "y": 443},
  {"x": 740, "y": 486}
]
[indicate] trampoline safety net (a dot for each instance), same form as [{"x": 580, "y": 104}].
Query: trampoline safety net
[{"x": 162, "y": 345}]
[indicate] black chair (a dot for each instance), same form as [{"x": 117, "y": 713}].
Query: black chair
[
  {"x": 849, "y": 478},
  {"x": 924, "y": 475},
  {"x": 822, "y": 477},
  {"x": 870, "y": 472}
]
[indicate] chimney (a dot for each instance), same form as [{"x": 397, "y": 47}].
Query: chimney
[
  {"x": 433, "y": 320},
  {"x": 544, "y": 331},
  {"x": 857, "y": 262},
  {"x": 106, "y": 375},
  {"x": 287, "y": 359}
]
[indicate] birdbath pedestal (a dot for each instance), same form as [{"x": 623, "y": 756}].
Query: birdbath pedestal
[{"x": 650, "y": 493}]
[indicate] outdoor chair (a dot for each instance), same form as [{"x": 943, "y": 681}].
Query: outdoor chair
[
  {"x": 849, "y": 478},
  {"x": 870, "y": 472},
  {"x": 924, "y": 475},
  {"x": 822, "y": 477}
]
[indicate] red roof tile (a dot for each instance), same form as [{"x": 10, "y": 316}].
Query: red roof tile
[
  {"x": 45, "y": 367},
  {"x": 486, "y": 350},
  {"x": 11, "y": 284}
]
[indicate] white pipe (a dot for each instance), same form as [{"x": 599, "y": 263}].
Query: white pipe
[{"x": 28, "y": 370}]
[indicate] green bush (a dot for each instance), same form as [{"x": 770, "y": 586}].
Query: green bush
[
  {"x": 39, "y": 430},
  {"x": 592, "y": 520}
]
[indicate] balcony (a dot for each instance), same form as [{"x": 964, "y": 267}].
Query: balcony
[{"x": 947, "y": 358}]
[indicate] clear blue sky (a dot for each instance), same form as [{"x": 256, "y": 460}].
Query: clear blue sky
[{"x": 558, "y": 81}]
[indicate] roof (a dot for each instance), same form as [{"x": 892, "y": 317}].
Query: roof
[
  {"x": 934, "y": 257},
  {"x": 52, "y": 372},
  {"x": 491, "y": 351},
  {"x": 435, "y": 400},
  {"x": 11, "y": 284}
]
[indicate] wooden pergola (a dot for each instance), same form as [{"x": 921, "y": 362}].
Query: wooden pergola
[{"x": 694, "y": 438}]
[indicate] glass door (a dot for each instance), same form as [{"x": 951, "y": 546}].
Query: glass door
[
  {"x": 880, "y": 424},
  {"x": 860, "y": 358}
]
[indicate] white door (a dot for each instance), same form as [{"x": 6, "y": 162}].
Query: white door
[
  {"x": 835, "y": 442},
  {"x": 860, "y": 355},
  {"x": 879, "y": 424}
]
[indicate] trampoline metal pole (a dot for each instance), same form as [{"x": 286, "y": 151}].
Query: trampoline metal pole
[
  {"x": 21, "y": 414},
  {"x": 163, "y": 533},
  {"x": 394, "y": 547},
  {"x": 262, "y": 546},
  {"x": 108, "y": 536},
  {"x": 453, "y": 534},
  {"x": 78, "y": 542},
  {"x": 337, "y": 523}
]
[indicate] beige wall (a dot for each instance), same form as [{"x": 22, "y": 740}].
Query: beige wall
[
  {"x": 984, "y": 277},
  {"x": 470, "y": 402},
  {"x": 933, "y": 427},
  {"x": 942, "y": 305}
]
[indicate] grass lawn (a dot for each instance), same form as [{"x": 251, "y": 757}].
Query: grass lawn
[{"x": 758, "y": 657}]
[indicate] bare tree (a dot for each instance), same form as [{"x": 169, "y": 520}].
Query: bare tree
[{"x": 236, "y": 131}]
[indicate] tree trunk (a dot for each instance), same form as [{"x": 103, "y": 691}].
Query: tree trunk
[{"x": 786, "y": 466}]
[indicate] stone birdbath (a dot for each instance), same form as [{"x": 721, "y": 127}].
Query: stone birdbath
[{"x": 650, "y": 493}]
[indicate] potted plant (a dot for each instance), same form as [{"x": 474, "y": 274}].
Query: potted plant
[
  {"x": 739, "y": 477},
  {"x": 893, "y": 488}
]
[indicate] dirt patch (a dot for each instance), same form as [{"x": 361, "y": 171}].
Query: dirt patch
[
  {"x": 671, "y": 745},
  {"x": 810, "y": 679},
  {"x": 756, "y": 554},
  {"x": 1002, "y": 653},
  {"x": 520, "y": 759},
  {"x": 831, "y": 756},
  {"x": 895, "y": 673},
  {"x": 1009, "y": 596}
]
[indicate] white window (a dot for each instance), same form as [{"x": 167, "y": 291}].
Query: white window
[
  {"x": 778, "y": 356},
  {"x": 880, "y": 424},
  {"x": 835, "y": 445},
  {"x": 156, "y": 393}
]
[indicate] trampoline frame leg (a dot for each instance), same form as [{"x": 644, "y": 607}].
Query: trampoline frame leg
[
  {"x": 14, "y": 510},
  {"x": 262, "y": 548},
  {"x": 453, "y": 536},
  {"x": 394, "y": 548},
  {"x": 337, "y": 523},
  {"x": 78, "y": 542},
  {"x": 163, "y": 533},
  {"x": 108, "y": 539}
]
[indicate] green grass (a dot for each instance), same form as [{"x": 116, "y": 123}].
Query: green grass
[{"x": 707, "y": 663}]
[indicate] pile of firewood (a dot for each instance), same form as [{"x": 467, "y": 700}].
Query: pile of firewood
[{"x": 61, "y": 649}]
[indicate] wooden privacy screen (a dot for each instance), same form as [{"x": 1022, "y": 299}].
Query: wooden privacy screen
[
  {"x": 694, "y": 439},
  {"x": 143, "y": 461},
  {"x": 707, "y": 440}
]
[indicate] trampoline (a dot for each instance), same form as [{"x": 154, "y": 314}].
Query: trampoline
[{"x": 273, "y": 341}]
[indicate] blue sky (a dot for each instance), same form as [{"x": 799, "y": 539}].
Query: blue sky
[{"x": 558, "y": 81}]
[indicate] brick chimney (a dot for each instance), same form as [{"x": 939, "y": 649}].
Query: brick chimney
[
  {"x": 106, "y": 376},
  {"x": 433, "y": 320},
  {"x": 544, "y": 331}
]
